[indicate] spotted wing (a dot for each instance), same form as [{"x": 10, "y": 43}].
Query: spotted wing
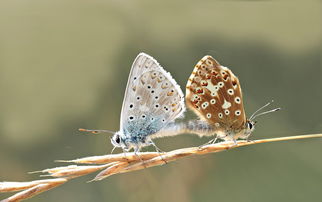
[
  {"x": 152, "y": 98},
  {"x": 213, "y": 92}
]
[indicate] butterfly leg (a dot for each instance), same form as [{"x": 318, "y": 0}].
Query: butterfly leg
[
  {"x": 136, "y": 151},
  {"x": 230, "y": 137},
  {"x": 113, "y": 150},
  {"x": 248, "y": 140},
  {"x": 235, "y": 142},
  {"x": 124, "y": 153},
  {"x": 213, "y": 141},
  {"x": 156, "y": 147},
  {"x": 158, "y": 150}
]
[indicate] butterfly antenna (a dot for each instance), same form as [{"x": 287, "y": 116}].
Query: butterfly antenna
[
  {"x": 260, "y": 114},
  {"x": 96, "y": 131},
  {"x": 254, "y": 114}
]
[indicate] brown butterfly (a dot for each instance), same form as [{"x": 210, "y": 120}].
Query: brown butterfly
[{"x": 214, "y": 93}]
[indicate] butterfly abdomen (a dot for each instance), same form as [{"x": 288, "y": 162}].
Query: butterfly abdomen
[{"x": 198, "y": 127}]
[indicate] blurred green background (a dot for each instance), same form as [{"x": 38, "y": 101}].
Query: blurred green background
[{"x": 64, "y": 65}]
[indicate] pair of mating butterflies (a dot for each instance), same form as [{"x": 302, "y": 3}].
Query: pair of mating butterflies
[{"x": 153, "y": 101}]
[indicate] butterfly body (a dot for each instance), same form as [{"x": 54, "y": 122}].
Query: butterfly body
[
  {"x": 213, "y": 92},
  {"x": 152, "y": 100}
]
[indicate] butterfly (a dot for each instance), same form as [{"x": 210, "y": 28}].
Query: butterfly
[
  {"x": 214, "y": 93},
  {"x": 152, "y": 100}
]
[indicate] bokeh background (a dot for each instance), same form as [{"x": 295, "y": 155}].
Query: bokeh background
[{"x": 64, "y": 65}]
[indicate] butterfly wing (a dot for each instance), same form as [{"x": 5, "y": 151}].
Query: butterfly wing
[
  {"x": 152, "y": 98},
  {"x": 213, "y": 92}
]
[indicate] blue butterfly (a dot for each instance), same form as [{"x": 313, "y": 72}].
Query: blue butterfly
[{"x": 152, "y": 101}]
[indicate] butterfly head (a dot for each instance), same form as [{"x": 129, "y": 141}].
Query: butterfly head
[
  {"x": 249, "y": 127},
  {"x": 117, "y": 140},
  {"x": 250, "y": 123}
]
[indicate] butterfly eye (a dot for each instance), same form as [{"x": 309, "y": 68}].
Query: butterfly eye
[
  {"x": 117, "y": 139},
  {"x": 250, "y": 125}
]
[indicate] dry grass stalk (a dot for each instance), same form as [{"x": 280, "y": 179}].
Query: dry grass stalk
[
  {"x": 119, "y": 163},
  {"x": 30, "y": 188}
]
